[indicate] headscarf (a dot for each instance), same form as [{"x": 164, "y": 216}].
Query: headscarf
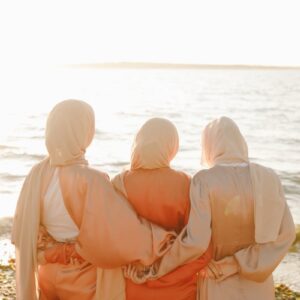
[
  {"x": 155, "y": 145},
  {"x": 69, "y": 130},
  {"x": 223, "y": 143}
]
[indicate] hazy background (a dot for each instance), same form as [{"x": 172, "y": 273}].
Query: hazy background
[{"x": 40, "y": 40}]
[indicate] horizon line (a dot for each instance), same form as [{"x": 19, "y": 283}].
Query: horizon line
[{"x": 158, "y": 65}]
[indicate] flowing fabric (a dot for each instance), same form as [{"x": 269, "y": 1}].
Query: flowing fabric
[
  {"x": 111, "y": 233},
  {"x": 70, "y": 129},
  {"x": 165, "y": 195},
  {"x": 28, "y": 212},
  {"x": 155, "y": 145},
  {"x": 25, "y": 229},
  {"x": 223, "y": 142},
  {"x": 161, "y": 195},
  {"x": 225, "y": 201},
  {"x": 104, "y": 238}
]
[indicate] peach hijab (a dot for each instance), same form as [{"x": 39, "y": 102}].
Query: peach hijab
[
  {"x": 155, "y": 145},
  {"x": 223, "y": 143},
  {"x": 69, "y": 131}
]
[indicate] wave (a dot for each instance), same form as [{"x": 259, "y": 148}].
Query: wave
[
  {"x": 11, "y": 177},
  {"x": 32, "y": 137},
  {"x": 22, "y": 156},
  {"x": 5, "y": 147},
  {"x": 113, "y": 164}
]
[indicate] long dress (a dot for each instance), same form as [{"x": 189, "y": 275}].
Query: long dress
[
  {"x": 94, "y": 206},
  {"x": 162, "y": 197},
  {"x": 70, "y": 281},
  {"x": 222, "y": 208}
]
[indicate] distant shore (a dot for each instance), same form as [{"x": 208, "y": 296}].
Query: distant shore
[
  {"x": 287, "y": 277},
  {"x": 146, "y": 65}
]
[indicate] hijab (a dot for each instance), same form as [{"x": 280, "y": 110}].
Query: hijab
[
  {"x": 69, "y": 131},
  {"x": 222, "y": 142},
  {"x": 155, "y": 145}
]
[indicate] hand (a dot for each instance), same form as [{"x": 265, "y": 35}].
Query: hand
[
  {"x": 51, "y": 251},
  {"x": 62, "y": 253},
  {"x": 45, "y": 240},
  {"x": 136, "y": 272},
  {"x": 220, "y": 270}
]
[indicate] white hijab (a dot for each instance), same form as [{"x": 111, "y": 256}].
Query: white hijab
[{"x": 223, "y": 143}]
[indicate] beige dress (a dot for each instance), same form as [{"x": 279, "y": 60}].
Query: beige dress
[
  {"x": 223, "y": 197},
  {"x": 232, "y": 221}
]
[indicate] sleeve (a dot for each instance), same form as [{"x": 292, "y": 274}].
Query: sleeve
[
  {"x": 257, "y": 262},
  {"x": 112, "y": 234},
  {"x": 193, "y": 240}
]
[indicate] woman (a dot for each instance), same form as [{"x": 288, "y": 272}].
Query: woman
[
  {"x": 75, "y": 204},
  {"x": 161, "y": 195},
  {"x": 240, "y": 207}
]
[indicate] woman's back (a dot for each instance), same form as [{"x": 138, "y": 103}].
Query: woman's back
[
  {"x": 232, "y": 209},
  {"x": 160, "y": 195}
]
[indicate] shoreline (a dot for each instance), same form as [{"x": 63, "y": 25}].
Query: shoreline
[
  {"x": 158, "y": 65},
  {"x": 286, "y": 275}
]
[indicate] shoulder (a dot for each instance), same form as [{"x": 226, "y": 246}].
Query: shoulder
[
  {"x": 266, "y": 171},
  {"x": 261, "y": 167},
  {"x": 86, "y": 173},
  {"x": 37, "y": 169},
  {"x": 182, "y": 175},
  {"x": 203, "y": 175}
]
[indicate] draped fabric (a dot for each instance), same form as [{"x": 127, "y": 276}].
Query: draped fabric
[
  {"x": 155, "y": 145},
  {"x": 229, "y": 202},
  {"x": 104, "y": 239},
  {"x": 223, "y": 142},
  {"x": 161, "y": 195},
  {"x": 63, "y": 150},
  {"x": 69, "y": 131}
]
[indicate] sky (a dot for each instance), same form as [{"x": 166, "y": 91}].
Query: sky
[{"x": 54, "y": 32}]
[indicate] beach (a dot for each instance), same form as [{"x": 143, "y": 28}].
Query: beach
[{"x": 264, "y": 103}]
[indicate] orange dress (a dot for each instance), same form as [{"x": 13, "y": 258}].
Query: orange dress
[{"x": 162, "y": 197}]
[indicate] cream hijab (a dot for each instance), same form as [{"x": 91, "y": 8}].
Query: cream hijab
[
  {"x": 223, "y": 143},
  {"x": 69, "y": 131},
  {"x": 155, "y": 145}
]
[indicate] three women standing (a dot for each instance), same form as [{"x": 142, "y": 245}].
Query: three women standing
[{"x": 237, "y": 206}]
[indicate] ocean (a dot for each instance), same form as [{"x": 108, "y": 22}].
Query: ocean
[{"x": 265, "y": 103}]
